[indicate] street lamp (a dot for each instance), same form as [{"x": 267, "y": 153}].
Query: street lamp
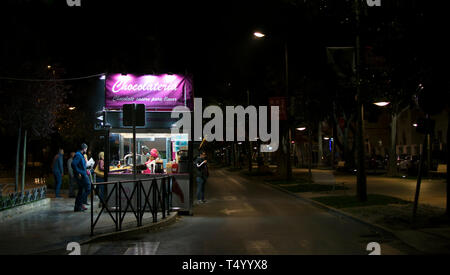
[
  {"x": 259, "y": 34},
  {"x": 301, "y": 129},
  {"x": 382, "y": 103},
  {"x": 72, "y": 108},
  {"x": 286, "y": 130}
]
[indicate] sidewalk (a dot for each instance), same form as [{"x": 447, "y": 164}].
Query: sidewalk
[
  {"x": 434, "y": 240},
  {"x": 53, "y": 226},
  {"x": 432, "y": 192}
]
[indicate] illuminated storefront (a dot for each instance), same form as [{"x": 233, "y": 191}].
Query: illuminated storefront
[{"x": 158, "y": 151}]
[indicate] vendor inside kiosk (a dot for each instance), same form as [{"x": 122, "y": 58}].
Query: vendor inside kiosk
[{"x": 156, "y": 153}]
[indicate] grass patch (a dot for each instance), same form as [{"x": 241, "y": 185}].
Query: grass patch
[
  {"x": 255, "y": 173},
  {"x": 234, "y": 169},
  {"x": 302, "y": 180},
  {"x": 353, "y": 201},
  {"x": 399, "y": 216},
  {"x": 311, "y": 187}
]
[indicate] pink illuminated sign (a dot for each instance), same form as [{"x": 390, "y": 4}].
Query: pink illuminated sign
[{"x": 164, "y": 91}]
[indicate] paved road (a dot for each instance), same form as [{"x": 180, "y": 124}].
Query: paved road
[{"x": 243, "y": 217}]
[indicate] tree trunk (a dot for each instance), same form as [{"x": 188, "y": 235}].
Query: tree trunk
[
  {"x": 392, "y": 151},
  {"x": 250, "y": 150},
  {"x": 285, "y": 161},
  {"x": 16, "y": 188},
  {"x": 24, "y": 164},
  {"x": 320, "y": 142},
  {"x": 448, "y": 164},
  {"x": 310, "y": 155}
]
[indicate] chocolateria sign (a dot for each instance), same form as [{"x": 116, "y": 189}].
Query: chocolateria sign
[{"x": 164, "y": 91}]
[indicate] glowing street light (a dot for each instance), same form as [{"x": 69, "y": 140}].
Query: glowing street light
[
  {"x": 382, "y": 103},
  {"x": 259, "y": 34},
  {"x": 72, "y": 108},
  {"x": 301, "y": 128}
]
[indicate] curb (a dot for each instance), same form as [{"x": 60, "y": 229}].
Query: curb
[
  {"x": 22, "y": 209},
  {"x": 172, "y": 218},
  {"x": 152, "y": 226}
]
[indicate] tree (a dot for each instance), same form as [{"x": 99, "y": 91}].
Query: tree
[{"x": 31, "y": 109}]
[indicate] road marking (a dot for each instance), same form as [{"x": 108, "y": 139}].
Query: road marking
[
  {"x": 259, "y": 247},
  {"x": 230, "y": 198},
  {"x": 143, "y": 248},
  {"x": 238, "y": 184},
  {"x": 228, "y": 212},
  {"x": 246, "y": 207}
]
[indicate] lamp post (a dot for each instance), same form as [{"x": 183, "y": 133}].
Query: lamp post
[
  {"x": 286, "y": 130},
  {"x": 361, "y": 182}
]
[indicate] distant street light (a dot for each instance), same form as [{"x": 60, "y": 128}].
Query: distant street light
[
  {"x": 72, "y": 108},
  {"x": 259, "y": 34},
  {"x": 382, "y": 103},
  {"x": 301, "y": 129},
  {"x": 102, "y": 77}
]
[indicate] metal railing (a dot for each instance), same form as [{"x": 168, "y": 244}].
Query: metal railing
[
  {"x": 18, "y": 198},
  {"x": 157, "y": 197}
]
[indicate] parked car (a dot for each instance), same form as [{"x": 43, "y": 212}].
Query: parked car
[
  {"x": 408, "y": 163},
  {"x": 378, "y": 162}
]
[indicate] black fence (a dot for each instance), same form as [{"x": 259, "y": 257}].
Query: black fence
[
  {"x": 19, "y": 198},
  {"x": 151, "y": 195}
]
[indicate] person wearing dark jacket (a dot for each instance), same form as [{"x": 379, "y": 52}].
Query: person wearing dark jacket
[
  {"x": 201, "y": 164},
  {"x": 80, "y": 174},
  {"x": 58, "y": 171}
]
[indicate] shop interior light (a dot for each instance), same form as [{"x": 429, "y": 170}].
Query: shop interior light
[
  {"x": 326, "y": 138},
  {"x": 156, "y": 135}
]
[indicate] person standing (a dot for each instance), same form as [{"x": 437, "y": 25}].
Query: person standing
[
  {"x": 89, "y": 172},
  {"x": 71, "y": 176},
  {"x": 201, "y": 164},
  {"x": 80, "y": 173},
  {"x": 100, "y": 176},
  {"x": 58, "y": 171}
]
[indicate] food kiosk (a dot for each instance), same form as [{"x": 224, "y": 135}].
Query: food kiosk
[{"x": 157, "y": 151}]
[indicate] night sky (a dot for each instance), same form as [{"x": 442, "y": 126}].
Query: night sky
[{"x": 210, "y": 39}]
